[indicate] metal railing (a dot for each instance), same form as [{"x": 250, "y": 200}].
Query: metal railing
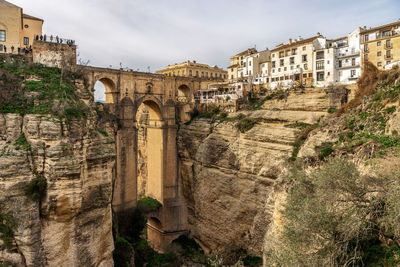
[{"x": 54, "y": 39}]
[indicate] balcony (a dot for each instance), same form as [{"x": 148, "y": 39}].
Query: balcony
[
  {"x": 388, "y": 57},
  {"x": 349, "y": 66},
  {"x": 390, "y": 46},
  {"x": 348, "y": 54}
]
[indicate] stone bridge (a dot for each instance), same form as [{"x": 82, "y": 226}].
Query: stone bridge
[{"x": 168, "y": 100}]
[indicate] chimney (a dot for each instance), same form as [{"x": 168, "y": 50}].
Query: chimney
[
  {"x": 290, "y": 41},
  {"x": 365, "y": 27},
  {"x": 318, "y": 34}
]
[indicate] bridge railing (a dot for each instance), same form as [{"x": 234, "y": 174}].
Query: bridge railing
[{"x": 54, "y": 39}]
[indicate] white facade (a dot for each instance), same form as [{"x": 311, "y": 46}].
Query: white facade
[{"x": 348, "y": 58}]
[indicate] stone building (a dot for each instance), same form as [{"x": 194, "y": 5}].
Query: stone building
[
  {"x": 292, "y": 63},
  {"x": 17, "y": 29},
  {"x": 194, "y": 69},
  {"x": 381, "y": 45}
]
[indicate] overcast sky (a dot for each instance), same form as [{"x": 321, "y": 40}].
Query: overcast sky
[{"x": 154, "y": 33}]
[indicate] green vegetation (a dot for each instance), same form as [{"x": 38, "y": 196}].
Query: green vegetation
[
  {"x": 332, "y": 110},
  {"x": 36, "y": 89},
  {"x": 7, "y": 226},
  {"x": 335, "y": 216},
  {"x": 5, "y": 264},
  {"x": 324, "y": 150},
  {"x": 123, "y": 253},
  {"x": 246, "y": 124},
  {"x": 301, "y": 137},
  {"x": 148, "y": 204},
  {"x": 299, "y": 125},
  {"x": 22, "y": 144},
  {"x": 252, "y": 261},
  {"x": 103, "y": 132},
  {"x": 36, "y": 188}
]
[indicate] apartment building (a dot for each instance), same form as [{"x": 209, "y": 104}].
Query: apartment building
[
  {"x": 237, "y": 67},
  {"x": 381, "y": 45},
  {"x": 292, "y": 63},
  {"x": 17, "y": 30},
  {"x": 194, "y": 69}
]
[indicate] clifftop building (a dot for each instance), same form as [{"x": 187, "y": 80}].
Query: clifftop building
[
  {"x": 381, "y": 45},
  {"x": 194, "y": 69},
  {"x": 17, "y": 29}
]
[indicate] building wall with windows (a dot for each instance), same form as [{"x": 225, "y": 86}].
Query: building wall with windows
[
  {"x": 194, "y": 69},
  {"x": 15, "y": 26},
  {"x": 323, "y": 63},
  {"x": 32, "y": 27},
  {"x": 381, "y": 45},
  {"x": 292, "y": 63}
]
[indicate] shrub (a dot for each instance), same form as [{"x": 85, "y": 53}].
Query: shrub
[
  {"x": 252, "y": 261},
  {"x": 325, "y": 150},
  {"x": 332, "y": 110},
  {"x": 148, "y": 204},
  {"x": 7, "y": 226},
  {"x": 123, "y": 253},
  {"x": 36, "y": 188},
  {"x": 246, "y": 124},
  {"x": 22, "y": 144}
]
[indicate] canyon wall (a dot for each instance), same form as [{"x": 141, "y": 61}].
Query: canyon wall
[
  {"x": 229, "y": 178},
  {"x": 72, "y": 224}
]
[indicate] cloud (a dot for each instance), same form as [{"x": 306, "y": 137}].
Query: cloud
[{"x": 155, "y": 33}]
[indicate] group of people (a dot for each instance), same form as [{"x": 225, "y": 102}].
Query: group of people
[
  {"x": 26, "y": 50},
  {"x": 56, "y": 39}
]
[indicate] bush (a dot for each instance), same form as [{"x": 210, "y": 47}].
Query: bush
[
  {"x": 148, "y": 204},
  {"x": 301, "y": 137},
  {"x": 325, "y": 150},
  {"x": 36, "y": 188},
  {"x": 7, "y": 226},
  {"x": 246, "y": 124},
  {"x": 332, "y": 110},
  {"x": 123, "y": 253},
  {"x": 103, "y": 132},
  {"x": 334, "y": 216}
]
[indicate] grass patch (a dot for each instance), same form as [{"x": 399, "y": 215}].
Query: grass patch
[
  {"x": 103, "y": 132},
  {"x": 332, "y": 110},
  {"x": 22, "y": 144},
  {"x": 301, "y": 137},
  {"x": 324, "y": 150}
]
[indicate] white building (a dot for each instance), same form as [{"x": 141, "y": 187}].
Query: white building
[
  {"x": 348, "y": 58},
  {"x": 221, "y": 93}
]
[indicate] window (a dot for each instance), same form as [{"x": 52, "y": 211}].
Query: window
[
  {"x": 26, "y": 26},
  {"x": 197, "y": 73},
  {"x": 232, "y": 77},
  {"x": 294, "y": 51},
  {"x": 1, "y": 47},
  {"x": 281, "y": 54},
  {"x": 282, "y": 63},
  {"x": 320, "y": 76},
  {"x": 388, "y": 43},
  {"x": 353, "y": 73},
  {"x": 320, "y": 65},
  {"x": 285, "y": 68},
  {"x": 304, "y": 58},
  {"x": 366, "y": 38},
  {"x": 244, "y": 64},
  {"x": 340, "y": 63},
  {"x": 273, "y": 64},
  {"x": 249, "y": 63},
  {"x": 320, "y": 55},
  {"x": 292, "y": 60},
  {"x": 353, "y": 61},
  {"x": 279, "y": 69},
  {"x": 207, "y": 74},
  {"x": 366, "y": 47},
  {"x": 273, "y": 55},
  {"x": 310, "y": 75},
  {"x": 190, "y": 72},
  {"x": 305, "y": 75},
  {"x": 202, "y": 74},
  {"x": 287, "y": 52},
  {"x": 379, "y": 54},
  {"x": 304, "y": 48},
  {"x": 379, "y": 64},
  {"x": 2, "y": 36},
  {"x": 379, "y": 43},
  {"x": 305, "y": 66},
  {"x": 249, "y": 72},
  {"x": 26, "y": 41},
  {"x": 366, "y": 57},
  {"x": 388, "y": 62},
  {"x": 291, "y": 67},
  {"x": 273, "y": 70},
  {"x": 388, "y": 54}
]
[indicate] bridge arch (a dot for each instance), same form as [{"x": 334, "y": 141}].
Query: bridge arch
[{"x": 105, "y": 88}]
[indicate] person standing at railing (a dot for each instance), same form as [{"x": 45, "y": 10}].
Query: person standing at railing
[
  {"x": 12, "y": 49},
  {"x": 5, "y": 49},
  {"x": 51, "y": 38},
  {"x": 45, "y": 37},
  {"x": 19, "y": 50},
  {"x": 58, "y": 39},
  {"x": 41, "y": 37}
]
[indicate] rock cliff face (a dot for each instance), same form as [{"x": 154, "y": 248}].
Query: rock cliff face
[
  {"x": 72, "y": 225},
  {"x": 228, "y": 177}
]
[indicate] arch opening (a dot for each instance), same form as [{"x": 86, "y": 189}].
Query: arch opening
[
  {"x": 104, "y": 91},
  {"x": 150, "y": 138},
  {"x": 183, "y": 93}
]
